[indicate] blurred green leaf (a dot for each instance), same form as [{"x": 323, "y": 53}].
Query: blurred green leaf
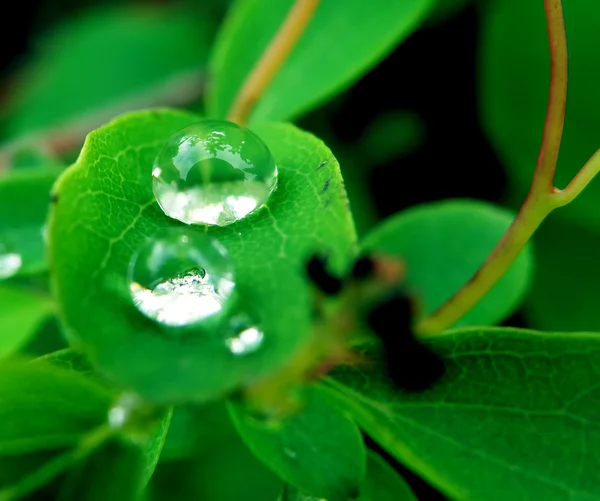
[
  {"x": 24, "y": 202},
  {"x": 319, "y": 449},
  {"x": 196, "y": 429},
  {"x": 113, "y": 472},
  {"x": 564, "y": 294},
  {"x": 100, "y": 221},
  {"x": 21, "y": 313},
  {"x": 107, "y": 61},
  {"x": 443, "y": 9},
  {"x": 516, "y": 414},
  {"x": 442, "y": 244},
  {"x": 228, "y": 472},
  {"x": 343, "y": 40},
  {"x": 391, "y": 135},
  {"x": 515, "y": 77},
  {"x": 382, "y": 483}
]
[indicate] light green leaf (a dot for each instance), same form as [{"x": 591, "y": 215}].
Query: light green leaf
[
  {"x": 109, "y": 61},
  {"x": 515, "y": 77},
  {"x": 114, "y": 472},
  {"x": 43, "y": 407},
  {"x": 344, "y": 39},
  {"x": 516, "y": 415},
  {"x": 21, "y": 314},
  {"x": 100, "y": 221},
  {"x": 442, "y": 244},
  {"x": 24, "y": 202},
  {"x": 319, "y": 450}
]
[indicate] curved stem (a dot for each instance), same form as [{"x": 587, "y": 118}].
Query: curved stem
[
  {"x": 271, "y": 60},
  {"x": 542, "y": 197}
]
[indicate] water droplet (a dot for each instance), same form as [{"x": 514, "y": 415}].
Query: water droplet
[
  {"x": 290, "y": 453},
  {"x": 10, "y": 262},
  {"x": 181, "y": 278},
  {"x": 214, "y": 173},
  {"x": 120, "y": 413},
  {"x": 247, "y": 338}
]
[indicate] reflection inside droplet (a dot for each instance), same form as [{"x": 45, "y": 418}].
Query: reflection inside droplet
[{"x": 181, "y": 279}]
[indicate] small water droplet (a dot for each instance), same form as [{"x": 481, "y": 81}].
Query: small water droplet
[
  {"x": 10, "y": 261},
  {"x": 181, "y": 278},
  {"x": 290, "y": 453},
  {"x": 214, "y": 173},
  {"x": 248, "y": 337},
  {"x": 119, "y": 414}
]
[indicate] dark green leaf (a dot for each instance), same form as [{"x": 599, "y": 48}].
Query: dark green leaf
[
  {"x": 100, "y": 222},
  {"x": 383, "y": 483},
  {"x": 152, "y": 450},
  {"x": 114, "y": 472},
  {"x": 21, "y": 313},
  {"x": 228, "y": 472},
  {"x": 515, "y": 79},
  {"x": 343, "y": 40},
  {"x": 564, "y": 295},
  {"x": 442, "y": 244},
  {"x": 196, "y": 429},
  {"x": 109, "y": 61},
  {"x": 318, "y": 450},
  {"x": 516, "y": 415},
  {"x": 43, "y": 407},
  {"x": 24, "y": 202}
]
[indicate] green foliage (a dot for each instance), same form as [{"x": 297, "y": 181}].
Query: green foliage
[
  {"x": 442, "y": 245},
  {"x": 510, "y": 401},
  {"x": 111, "y": 219},
  {"x": 99, "y": 48},
  {"x": 375, "y": 30},
  {"x": 319, "y": 450},
  {"x": 383, "y": 483}
]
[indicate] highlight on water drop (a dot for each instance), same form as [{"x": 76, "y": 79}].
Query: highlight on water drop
[
  {"x": 213, "y": 173},
  {"x": 10, "y": 261},
  {"x": 246, "y": 336},
  {"x": 182, "y": 278}
]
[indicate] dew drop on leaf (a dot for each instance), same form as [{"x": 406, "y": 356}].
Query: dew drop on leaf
[
  {"x": 10, "y": 261},
  {"x": 213, "y": 173},
  {"x": 181, "y": 278},
  {"x": 247, "y": 337}
]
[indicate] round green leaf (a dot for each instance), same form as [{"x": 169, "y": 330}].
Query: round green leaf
[
  {"x": 516, "y": 416},
  {"x": 318, "y": 450},
  {"x": 106, "y": 210},
  {"x": 343, "y": 40},
  {"x": 442, "y": 245},
  {"x": 514, "y": 66}
]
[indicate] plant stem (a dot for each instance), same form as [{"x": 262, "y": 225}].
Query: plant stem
[
  {"x": 271, "y": 60},
  {"x": 542, "y": 197}
]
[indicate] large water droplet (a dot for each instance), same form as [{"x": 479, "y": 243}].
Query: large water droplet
[
  {"x": 181, "y": 278},
  {"x": 214, "y": 173},
  {"x": 10, "y": 261}
]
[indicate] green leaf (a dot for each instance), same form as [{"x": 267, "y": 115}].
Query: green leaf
[
  {"x": 43, "y": 407},
  {"x": 108, "y": 61},
  {"x": 196, "y": 429},
  {"x": 115, "y": 472},
  {"x": 319, "y": 449},
  {"x": 100, "y": 221},
  {"x": 228, "y": 472},
  {"x": 383, "y": 483},
  {"x": 24, "y": 201},
  {"x": 564, "y": 294},
  {"x": 516, "y": 415},
  {"x": 343, "y": 40},
  {"x": 442, "y": 245},
  {"x": 514, "y": 77},
  {"x": 153, "y": 448},
  {"x": 21, "y": 314}
]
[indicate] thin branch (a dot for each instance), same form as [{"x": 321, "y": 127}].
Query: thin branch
[
  {"x": 579, "y": 182},
  {"x": 555, "y": 112},
  {"x": 541, "y": 199},
  {"x": 271, "y": 60}
]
